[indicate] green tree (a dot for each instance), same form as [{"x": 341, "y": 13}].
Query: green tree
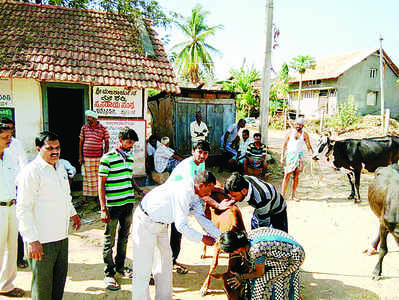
[
  {"x": 242, "y": 82},
  {"x": 150, "y": 9},
  {"x": 284, "y": 73},
  {"x": 194, "y": 54},
  {"x": 301, "y": 64},
  {"x": 279, "y": 89}
]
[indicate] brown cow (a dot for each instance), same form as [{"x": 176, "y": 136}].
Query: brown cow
[
  {"x": 383, "y": 198},
  {"x": 228, "y": 220},
  {"x": 237, "y": 265}
]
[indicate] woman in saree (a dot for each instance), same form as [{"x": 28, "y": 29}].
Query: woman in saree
[{"x": 275, "y": 258}]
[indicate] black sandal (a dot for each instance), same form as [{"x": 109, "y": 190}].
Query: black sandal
[
  {"x": 14, "y": 293},
  {"x": 23, "y": 264},
  {"x": 180, "y": 269}
]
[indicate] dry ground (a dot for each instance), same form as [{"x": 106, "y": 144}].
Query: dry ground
[{"x": 332, "y": 230}]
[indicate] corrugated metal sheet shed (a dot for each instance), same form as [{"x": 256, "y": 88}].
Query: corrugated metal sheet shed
[
  {"x": 52, "y": 43},
  {"x": 173, "y": 113}
]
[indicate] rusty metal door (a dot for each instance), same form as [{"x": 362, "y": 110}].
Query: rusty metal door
[{"x": 217, "y": 115}]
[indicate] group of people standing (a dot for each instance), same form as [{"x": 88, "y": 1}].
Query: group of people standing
[
  {"x": 38, "y": 194},
  {"x": 37, "y": 197},
  {"x": 274, "y": 255}
]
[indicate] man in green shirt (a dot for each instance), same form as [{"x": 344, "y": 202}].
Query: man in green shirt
[
  {"x": 116, "y": 193},
  {"x": 185, "y": 172}
]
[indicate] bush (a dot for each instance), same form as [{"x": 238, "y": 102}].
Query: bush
[
  {"x": 347, "y": 116},
  {"x": 277, "y": 122},
  {"x": 241, "y": 114},
  {"x": 347, "y": 113}
]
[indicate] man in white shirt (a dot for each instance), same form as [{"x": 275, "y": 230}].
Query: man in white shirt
[
  {"x": 18, "y": 151},
  {"x": 152, "y": 145},
  {"x": 8, "y": 222},
  {"x": 187, "y": 170},
  {"x": 292, "y": 156},
  {"x": 16, "y": 145},
  {"x": 167, "y": 203},
  {"x": 230, "y": 135},
  {"x": 165, "y": 158},
  {"x": 198, "y": 129},
  {"x": 44, "y": 207},
  {"x": 242, "y": 148}
]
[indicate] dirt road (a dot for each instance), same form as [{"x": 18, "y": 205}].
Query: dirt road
[{"x": 332, "y": 230}]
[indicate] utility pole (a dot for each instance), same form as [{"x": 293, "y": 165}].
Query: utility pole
[
  {"x": 382, "y": 85},
  {"x": 299, "y": 96},
  {"x": 264, "y": 102}
]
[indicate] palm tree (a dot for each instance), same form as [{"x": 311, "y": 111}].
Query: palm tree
[
  {"x": 194, "y": 54},
  {"x": 301, "y": 64}
]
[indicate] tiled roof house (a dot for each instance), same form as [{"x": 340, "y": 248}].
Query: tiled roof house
[
  {"x": 56, "y": 62},
  {"x": 336, "y": 78},
  {"x": 53, "y": 43}
]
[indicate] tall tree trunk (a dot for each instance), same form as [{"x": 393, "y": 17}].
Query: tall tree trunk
[{"x": 299, "y": 95}]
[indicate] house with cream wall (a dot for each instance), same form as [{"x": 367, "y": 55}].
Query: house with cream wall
[
  {"x": 57, "y": 62},
  {"x": 353, "y": 75}
]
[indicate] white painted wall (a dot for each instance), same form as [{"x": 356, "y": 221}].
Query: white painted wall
[
  {"x": 27, "y": 97},
  {"x": 28, "y": 112}
]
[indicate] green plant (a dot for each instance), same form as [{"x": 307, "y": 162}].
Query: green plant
[
  {"x": 194, "y": 55},
  {"x": 347, "y": 116},
  {"x": 150, "y": 9},
  {"x": 277, "y": 122},
  {"x": 279, "y": 91},
  {"x": 275, "y": 104},
  {"x": 152, "y": 92},
  {"x": 347, "y": 113},
  {"x": 242, "y": 82}
]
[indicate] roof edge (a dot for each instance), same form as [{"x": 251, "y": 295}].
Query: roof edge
[
  {"x": 68, "y": 8},
  {"x": 344, "y": 68}
]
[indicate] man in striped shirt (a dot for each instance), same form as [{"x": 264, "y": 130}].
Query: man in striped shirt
[
  {"x": 94, "y": 138},
  {"x": 270, "y": 206},
  {"x": 255, "y": 156},
  {"x": 116, "y": 191}
]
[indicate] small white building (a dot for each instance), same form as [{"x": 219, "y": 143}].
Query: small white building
[{"x": 56, "y": 62}]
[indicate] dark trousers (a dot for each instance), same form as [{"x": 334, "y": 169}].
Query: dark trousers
[
  {"x": 277, "y": 221},
  {"x": 20, "y": 253},
  {"x": 175, "y": 242},
  {"x": 123, "y": 216},
  {"x": 49, "y": 274}
]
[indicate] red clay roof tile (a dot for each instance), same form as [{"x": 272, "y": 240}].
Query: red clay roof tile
[
  {"x": 57, "y": 43},
  {"x": 335, "y": 66}
]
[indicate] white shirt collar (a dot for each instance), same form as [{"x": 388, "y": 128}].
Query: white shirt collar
[
  {"x": 248, "y": 196},
  {"x": 44, "y": 163}
]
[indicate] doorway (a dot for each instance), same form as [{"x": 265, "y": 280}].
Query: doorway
[{"x": 65, "y": 113}]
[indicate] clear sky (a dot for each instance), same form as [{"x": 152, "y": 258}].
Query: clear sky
[{"x": 317, "y": 28}]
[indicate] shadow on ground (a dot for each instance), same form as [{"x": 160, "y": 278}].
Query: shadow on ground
[
  {"x": 331, "y": 289},
  {"x": 105, "y": 295},
  {"x": 193, "y": 280}
]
